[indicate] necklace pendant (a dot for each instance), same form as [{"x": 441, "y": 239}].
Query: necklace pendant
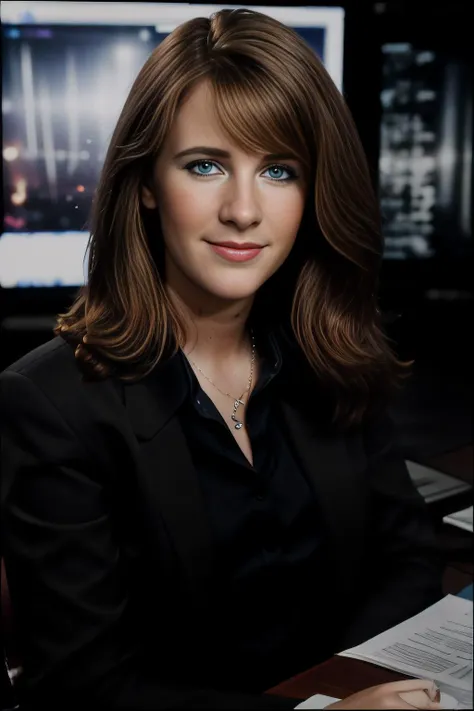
[{"x": 239, "y": 423}]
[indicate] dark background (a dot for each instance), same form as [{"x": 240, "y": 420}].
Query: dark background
[{"x": 427, "y": 302}]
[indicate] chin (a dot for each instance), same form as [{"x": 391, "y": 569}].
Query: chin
[{"x": 232, "y": 289}]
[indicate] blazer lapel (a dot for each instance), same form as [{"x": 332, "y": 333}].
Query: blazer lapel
[
  {"x": 169, "y": 479},
  {"x": 325, "y": 461}
]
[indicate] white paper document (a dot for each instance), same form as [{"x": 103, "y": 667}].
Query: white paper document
[
  {"x": 461, "y": 519},
  {"x": 318, "y": 701},
  {"x": 436, "y": 644}
]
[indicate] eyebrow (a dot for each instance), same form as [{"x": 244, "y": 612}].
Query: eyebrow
[{"x": 220, "y": 153}]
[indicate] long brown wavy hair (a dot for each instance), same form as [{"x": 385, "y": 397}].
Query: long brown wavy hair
[{"x": 272, "y": 94}]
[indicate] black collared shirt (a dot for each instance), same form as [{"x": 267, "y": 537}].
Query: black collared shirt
[{"x": 265, "y": 526}]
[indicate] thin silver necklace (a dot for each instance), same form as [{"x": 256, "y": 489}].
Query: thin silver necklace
[{"x": 237, "y": 401}]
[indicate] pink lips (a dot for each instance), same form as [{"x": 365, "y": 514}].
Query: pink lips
[{"x": 236, "y": 254}]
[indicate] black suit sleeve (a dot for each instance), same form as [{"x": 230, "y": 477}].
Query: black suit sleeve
[
  {"x": 403, "y": 570},
  {"x": 66, "y": 576}
]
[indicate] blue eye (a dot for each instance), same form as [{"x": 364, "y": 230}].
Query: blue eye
[
  {"x": 200, "y": 163},
  {"x": 205, "y": 166}
]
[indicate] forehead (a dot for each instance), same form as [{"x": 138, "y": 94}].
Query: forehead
[{"x": 196, "y": 121}]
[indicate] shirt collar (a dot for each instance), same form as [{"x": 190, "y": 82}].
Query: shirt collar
[{"x": 156, "y": 398}]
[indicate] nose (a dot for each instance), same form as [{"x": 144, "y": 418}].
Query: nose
[{"x": 240, "y": 204}]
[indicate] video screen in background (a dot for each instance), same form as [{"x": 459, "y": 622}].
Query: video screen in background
[
  {"x": 426, "y": 152},
  {"x": 67, "y": 70}
]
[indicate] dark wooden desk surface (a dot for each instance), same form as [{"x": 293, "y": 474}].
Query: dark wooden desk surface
[
  {"x": 458, "y": 463},
  {"x": 340, "y": 676}
]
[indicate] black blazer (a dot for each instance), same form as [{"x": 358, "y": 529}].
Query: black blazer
[{"x": 108, "y": 550}]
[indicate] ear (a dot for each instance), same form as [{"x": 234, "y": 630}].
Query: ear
[{"x": 148, "y": 199}]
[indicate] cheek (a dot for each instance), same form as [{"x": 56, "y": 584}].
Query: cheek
[
  {"x": 287, "y": 216},
  {"x": 182, "y": 210}
]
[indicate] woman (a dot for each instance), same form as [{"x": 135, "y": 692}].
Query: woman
[{"x": 199, "y": 477}]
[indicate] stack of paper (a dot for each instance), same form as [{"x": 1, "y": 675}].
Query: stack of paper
[
  {"x": 436, "y": 644},
  {"x": 462, "y": 519},
  {"x": 434, "y": 485}
]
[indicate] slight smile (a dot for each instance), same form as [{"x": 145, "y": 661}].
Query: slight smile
[{"x": 235, "y": 252}]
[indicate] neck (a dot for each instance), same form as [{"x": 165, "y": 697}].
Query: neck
[{"x": 215, "y": 332}]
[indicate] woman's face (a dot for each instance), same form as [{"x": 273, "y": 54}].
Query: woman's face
[{"x": 217, "y": 194}]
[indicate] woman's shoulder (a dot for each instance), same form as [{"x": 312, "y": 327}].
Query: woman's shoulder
[
  {"x": 48, "y": 370},
  {"x": 50, "y": 374},
  {"x": 40, "y": 361},
  {"x": 46, "y": 403},
  {"x": 50, "y": 366}
]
